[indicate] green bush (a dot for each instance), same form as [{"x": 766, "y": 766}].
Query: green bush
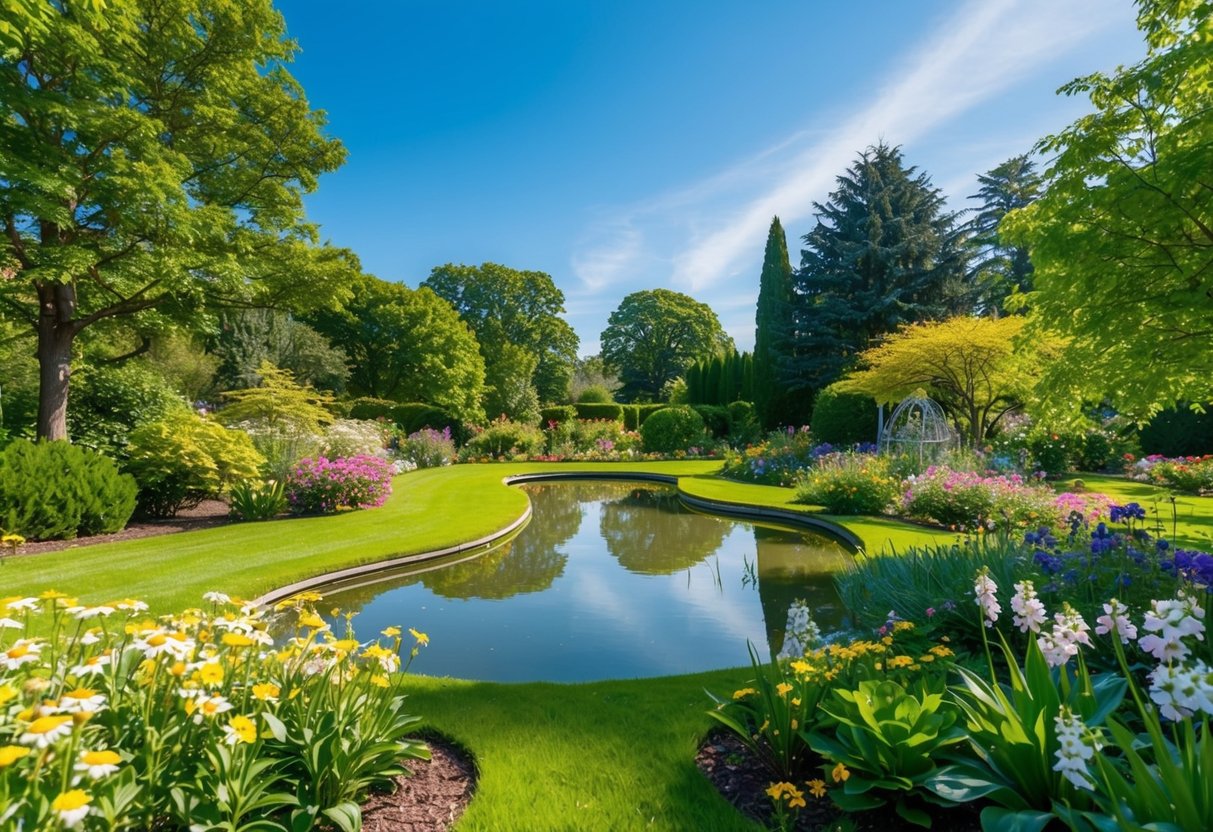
[
  {"x": 672, "y": 429},
  {"x": 55, "y": 490},
  {"x": 558, "y": 414},
  {"x": 503, "y": 437},
  {"x": 415, "y": 416},
  {"x": 595, "y": 394},
  {"x": 744, "y": 428},
  {"x": 184, "y": 459},
  {"x": 109, "y": 402},
  {"x": 371, "y": 408},
  {"x": 843, "y": 418},
  {"x": 643, "y": 412},
  {"x": 1098, "y": 449},
  {"x": 849, "y": 484},
  {"x": 599, "y": 411},
  {"x": 715, "y": 419},
  {"x": 1054, "y": 453}
]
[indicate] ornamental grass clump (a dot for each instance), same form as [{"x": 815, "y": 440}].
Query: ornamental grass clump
[
  {"x": 323, "y": 486},
  {"x": 112, "y": 720}
]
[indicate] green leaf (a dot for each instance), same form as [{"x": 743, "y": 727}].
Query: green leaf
[
  {"x": 347, "y": 816},
  {"x": 994, "y": 819}
]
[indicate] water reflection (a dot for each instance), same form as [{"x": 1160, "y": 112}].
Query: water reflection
[{"x": 556, "y": 605}]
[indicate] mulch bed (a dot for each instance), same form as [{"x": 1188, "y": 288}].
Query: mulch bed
[
  {"x": 205, "y": 515},
  {"x": 742, "y": 781},
  {"x": 431, "y": 799}
]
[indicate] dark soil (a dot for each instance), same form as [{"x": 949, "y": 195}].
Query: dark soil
[
  {"x": 206, "y": 515},
  {"x": 430, "y": 800},
  {"x": 742, "y": 781}
]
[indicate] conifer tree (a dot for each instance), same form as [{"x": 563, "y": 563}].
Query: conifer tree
[
  {"x": 883, "y": 253},
  {"x": 773, "y": 326}
]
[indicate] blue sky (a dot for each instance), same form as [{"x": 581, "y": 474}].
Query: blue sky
[{"x": 626, "y": 145}]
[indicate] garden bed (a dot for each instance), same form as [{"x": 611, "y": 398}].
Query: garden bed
[
  {"x": 206, "y": 515},
  {"x": 431, "y": 799}
]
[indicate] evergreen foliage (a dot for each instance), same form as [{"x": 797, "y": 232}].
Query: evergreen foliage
[
  {"x": 53, "y": 490},
  {"x": 672, "y": 429},
  {"x": 999, "y": 268},
  {"x": 248, "y": 337},
  {"x": 773, "y": 327},
  {"x": 883, "y": 253},
  {"x": 844, "y": 418}
]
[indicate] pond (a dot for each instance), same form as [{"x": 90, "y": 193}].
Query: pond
[{"x": 609, "y": 580}]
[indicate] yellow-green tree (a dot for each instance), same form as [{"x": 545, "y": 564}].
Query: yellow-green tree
[
  {"x": 971, "y": 366},
  {"x": 279, "y": 403}
]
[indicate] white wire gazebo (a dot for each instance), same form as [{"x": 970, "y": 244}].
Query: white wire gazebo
[{"x": 918, "y": 428}]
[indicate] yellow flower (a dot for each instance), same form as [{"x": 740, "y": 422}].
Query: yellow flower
[
  {"x": 237, "y": 640},
  {"x": 266, "y": 692},
  {"x": 379, "y": 681},
  {"x": 802, "y": 667},
  {"x": 10, "y": 754},
  {"x": 71, "y": 807},
  {"x": 211, "y": 673},
  {"x": 422, "y": 638},
  {"x": 7, "y": 692},
  {"x": 901, "y": 626},
  {"x": 345, "y": 645},
  {"x": 941, "y": 651},
  {"x": 898, "y": 662},
  {"x": 840, "y": 773},
  {"x": 240, "y": 729},
  {"x": 817, "y": 787},
  {"x": 743, "y": 693},
  {"x": 391, "y": 632},
  {"x": 310, "y": 619},
  {"x": 783, "y": 688}
]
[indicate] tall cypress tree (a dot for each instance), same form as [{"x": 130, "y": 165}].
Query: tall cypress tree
[
  {"x": 711, "y": 387},
  {"x": 747, "y": 377},
  {"x": 774, "y": 323},
  {"x": 883, "y": 253},
  {"x": 694, "y": 380}
]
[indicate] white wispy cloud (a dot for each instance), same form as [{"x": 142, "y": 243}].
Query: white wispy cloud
[{"x": 719, "y": 224}]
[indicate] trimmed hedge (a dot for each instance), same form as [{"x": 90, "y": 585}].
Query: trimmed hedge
[
  {"x": 410, "y": 417},
  {"x": 635, "y": 414},
  {"x": 715, "y": 419},
  {"x": 367, "y": 407},
  {"x": 599, "y": 411},
  {"x": 559, "y": 414},
  {"x": 843, "y": 418}
]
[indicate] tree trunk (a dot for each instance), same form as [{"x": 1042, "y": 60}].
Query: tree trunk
[{"x": 56, "y": 333}]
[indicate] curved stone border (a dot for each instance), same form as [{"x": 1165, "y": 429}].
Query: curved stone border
[
  {"x": 327, "y": 578},
  {"x": 741, "y": 510}
]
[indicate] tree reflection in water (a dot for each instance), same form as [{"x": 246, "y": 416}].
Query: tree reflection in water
[
  {"x": 650, "y": 532},
  {"x": 785, "y": 574}
]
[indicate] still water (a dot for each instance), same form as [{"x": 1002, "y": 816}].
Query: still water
[{"x": 609, "y": 580}]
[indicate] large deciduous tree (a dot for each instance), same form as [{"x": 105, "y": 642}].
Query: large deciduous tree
[
  {"x": 1122, "y": 239},
  {"x": 773, "y": 326},
  {"x": 522, "y": 308},
  {"x": 655, "y": 335},
  {"x": 999, "y": 268},
  {"x": 884, "y": 253},
  {"x": 969, "y": 365},
  {"x": 407, "y": 345},
  {"x": 155, "y": 160}
]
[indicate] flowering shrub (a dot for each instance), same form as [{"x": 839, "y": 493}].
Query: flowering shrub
[
  {"x": 1191, "y": 474},
  {"x": 504, "y": 438},
  {"x": 778, "y": 459},
  {"x": 283, "y": 444},
  {"x": 428, "y": 448},
  {"x": 849, "y": 483},
  {"x": 968, "y": 500},
  {"x": 354, "y": 437},
  {"x": 322, "y": 486},
  {"x": 110, "y": 720}
]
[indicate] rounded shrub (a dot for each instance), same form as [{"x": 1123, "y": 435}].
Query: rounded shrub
[
  {"x": 504, "y": 437},
  {"x": 596, "y": 394},
  {"x": 672, "y": 429},
  {"x": 184, "y": 459},
  {"x": 600, "y": 411},
  {"x": 843, "y": 418},
  {"x": 715, "y": 419},
  {"x": 322, "y": 486},
  {"x": 56, "y": 491},
  {"x": 367, "y": 407},
  {"x": 556, "y": 415}
]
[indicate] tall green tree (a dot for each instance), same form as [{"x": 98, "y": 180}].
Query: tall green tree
[
  {"x": 247, "y": 337},
  {"x": 654, "y": 335},
  {"x": 407, "y": 345},
  {"x": 1122, "y": 239},
  {"x": 156, "y": 154},
  {"x": 883, "y": 253},
  {"x": 998, "y": 267},
  {"x": 773, "y": 326},
  {"x": 522, "y": 308}
]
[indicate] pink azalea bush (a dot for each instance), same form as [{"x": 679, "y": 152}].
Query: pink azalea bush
[{"x": 322, "y": 486}]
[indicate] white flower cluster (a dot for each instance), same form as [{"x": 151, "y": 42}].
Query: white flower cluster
[
  {"x": 1168, "y": 623},
  {"x": 1029, "y": 610},
  {"x": 801, "y": 632},
  {"x": 986, "y": 592},
  {"x": 1069, "y": 631},
  {"x": 1077, "y": 745},
  {"x": 1116, "y": 620},
  {"x": 353, "y": 437}
]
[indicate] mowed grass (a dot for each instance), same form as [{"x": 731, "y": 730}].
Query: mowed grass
[
  {"x": 612, "y": 756},
  {"x": 1191, "y": 524}
]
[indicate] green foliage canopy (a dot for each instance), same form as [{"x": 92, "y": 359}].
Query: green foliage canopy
[
  {"x": 407, "y": 345},
  {"x": 654, "y": 336},
  {"x": 156, "y": 155},
  {"x": 1122, "y": 239}
]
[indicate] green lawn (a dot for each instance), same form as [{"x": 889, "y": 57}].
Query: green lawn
[
  {"x": 609, "y": 755},
  {"x": 1192, "y": 524}
]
